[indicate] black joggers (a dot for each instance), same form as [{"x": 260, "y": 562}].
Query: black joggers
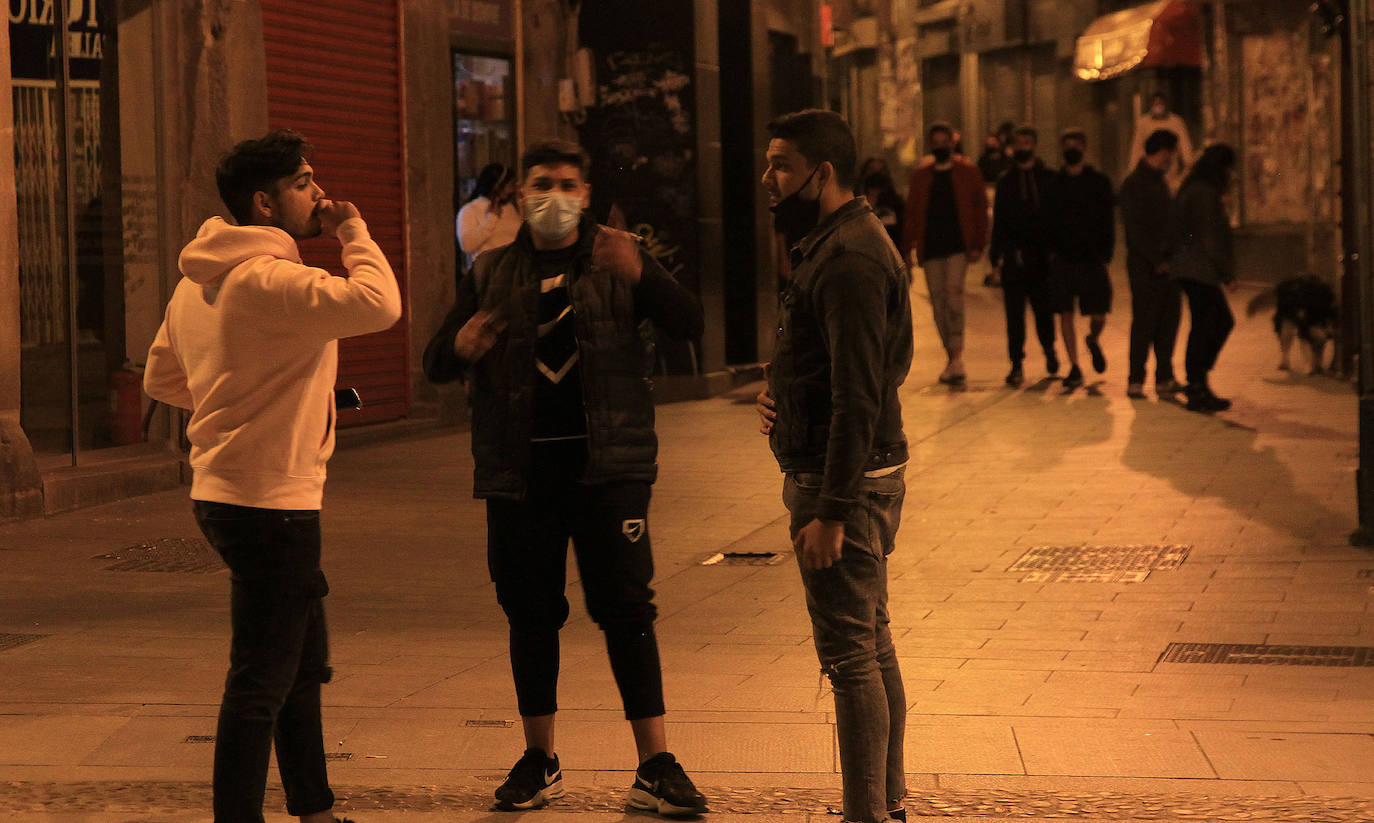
[
  {"x": 527, "y": 547},
  {"x": 278, "y": 658},
  {"x": 1211, "y": 325}
]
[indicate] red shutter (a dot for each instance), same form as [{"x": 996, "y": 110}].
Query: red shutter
[{"x": 334, "y": 74}]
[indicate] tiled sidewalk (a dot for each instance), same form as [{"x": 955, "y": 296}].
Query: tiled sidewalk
[{"x": 1031, "y": 695}]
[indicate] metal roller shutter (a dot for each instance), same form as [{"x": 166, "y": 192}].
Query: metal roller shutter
[{"x": 334, "y": 73}]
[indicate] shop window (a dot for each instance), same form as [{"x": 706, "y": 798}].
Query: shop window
[
  {"x": 85, "y": 176},
  {"x": 483, "y": 111}
]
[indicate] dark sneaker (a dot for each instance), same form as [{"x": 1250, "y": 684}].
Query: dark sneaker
[
  {"x": 1099, "y": 359},
  {"x": 1135, "y": 391},
  {"x": 1051, "y": 363},
  {"x": 897, "y": 814},
  {"x": 1015, "y": 377},
  {"x": 1201, "y": 399},
  {"x": 662, "y": 786},
  {"x": 533, "y": 782},
  {"x": 1075, "y": 378},
  {"x": 1168, "y": 389}
]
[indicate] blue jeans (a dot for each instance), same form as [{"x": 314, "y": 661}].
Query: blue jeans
[
  {"x": 278, "y": 657},
  {"x": 849, "y": 623}
]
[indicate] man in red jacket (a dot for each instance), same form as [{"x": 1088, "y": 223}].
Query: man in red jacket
[{"x": 947, "y": 224}]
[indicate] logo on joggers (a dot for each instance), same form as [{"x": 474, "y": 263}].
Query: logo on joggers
[{"x": 633, "y": 529}]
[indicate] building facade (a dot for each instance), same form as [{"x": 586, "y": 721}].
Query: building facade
[{"x": 116, "y": 112}]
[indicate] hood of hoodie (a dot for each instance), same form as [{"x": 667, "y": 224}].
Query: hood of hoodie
[{"x": 220, "y": 246}]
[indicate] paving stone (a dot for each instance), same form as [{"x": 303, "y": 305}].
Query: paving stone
[
  {"x": 1112, "y": 753},
  {"x": 1288, "y": 756}
]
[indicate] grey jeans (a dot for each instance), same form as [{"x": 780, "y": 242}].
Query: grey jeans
[
  {"x": 945, "y": 281},
  {"x": 849, "y": 623}
]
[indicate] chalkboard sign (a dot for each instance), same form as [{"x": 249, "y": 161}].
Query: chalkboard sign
[{"x": 641, "y": 133}]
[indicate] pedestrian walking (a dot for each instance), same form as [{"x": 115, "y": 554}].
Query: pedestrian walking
[
  {"x": 551, "y": 329},
  {"x": 249, "y": 346},
  {"x": 489, "y": 219},
  {"x": 1156, "y": 300},
  {"x": 1157, "y": 117},
  {"x": 882, "y": 196},
  {"x": 835, "y": 426},
  {"x": 947, "y": 226},
  {"x": 1084, "y": 235},
  {"x": 1020, "y": 253},
  {"x": 1203, "y": 262}
]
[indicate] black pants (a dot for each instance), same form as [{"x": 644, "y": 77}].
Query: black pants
[
  {"x": 278, "y": 657},
  {"x": 1156, "y": 308},
  {"x": 1212, "y": 323},
  {"x": 1033, "y": 283},
  {"x": 527, "y": 546}
]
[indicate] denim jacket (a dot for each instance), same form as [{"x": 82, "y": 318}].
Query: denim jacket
[{"x": 843, "y": 349}]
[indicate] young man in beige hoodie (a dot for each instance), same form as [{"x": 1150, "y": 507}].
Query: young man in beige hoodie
[{"x": 249, "y": 345}]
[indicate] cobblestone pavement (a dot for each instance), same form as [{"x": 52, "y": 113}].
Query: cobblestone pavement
[
  {"x": 1104, "y": 610},
  {"x": 171, "y": 797}
]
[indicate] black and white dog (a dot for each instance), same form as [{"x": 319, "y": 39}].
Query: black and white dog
[{"x": 1305, "y": 309}]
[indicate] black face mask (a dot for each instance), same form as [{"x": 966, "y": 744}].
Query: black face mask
[
  {"x": 1022, "y": 155},
  {"x": 1073, "y": 156},
  {"x": 941, "y": 154},
  {"x": 795, "y": 216}
]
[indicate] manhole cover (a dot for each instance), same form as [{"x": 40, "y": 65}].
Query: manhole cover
[
  {"x": 199, "y": 738},
  {"x": 13, "y": 641},
  {"x": 1261, "y": 655},
  {"x": 743, "y": 559},
  {"x": 169, "y": 554},
  {"x": 1097, "y": 564},
  {"x": 490, "y": 724}
]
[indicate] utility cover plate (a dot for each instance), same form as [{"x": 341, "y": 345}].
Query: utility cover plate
[
  {"x": 1260, "y": 655},
  {"x": 167, "y": 554},
  {"x": 1097, "y": 564}
]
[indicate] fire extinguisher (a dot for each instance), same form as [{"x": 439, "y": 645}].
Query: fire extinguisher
[{"x": 126, "y": 398}]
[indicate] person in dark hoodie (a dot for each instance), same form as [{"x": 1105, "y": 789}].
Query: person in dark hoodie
[
  {"x": 1203, "y": 261},
  {"x": 1156, "y": 302},
  {"x": 1020, "y": 252},
  {"x": 556, "y": 330},
  {"x": 1084, "y": 236}
]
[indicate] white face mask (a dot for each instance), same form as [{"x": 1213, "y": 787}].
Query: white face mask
[{"x": 553, "y": 215}]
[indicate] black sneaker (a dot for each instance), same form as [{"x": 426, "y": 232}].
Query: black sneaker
[
  {"x": 533, "y": 782},
  {"x": 1075, "y": 378},
  {"x": 898, "y": 813},
  {"x": 662, "y": 786},
  {"x": 1099, "y": 359},
  {"x": 1051, "y": 363},
  {"x": 1015, "y": 377},
  {"x": 1201, "y": 399}
]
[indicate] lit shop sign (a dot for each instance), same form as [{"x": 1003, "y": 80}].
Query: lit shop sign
[
  {"x": 32, "y": 55},
  {"x": 481, "y": 18}
]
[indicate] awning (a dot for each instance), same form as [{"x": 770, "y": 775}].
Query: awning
[{"x": 1158, "y": 35}]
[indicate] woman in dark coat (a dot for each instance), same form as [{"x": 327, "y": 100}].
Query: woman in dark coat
[{"x": 1203, "y": 261}]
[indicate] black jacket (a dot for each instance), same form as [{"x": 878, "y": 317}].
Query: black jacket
[
  {"x": 1145, "y": 203},
  {"x": 843, "y": 348},
  {"x": 1021, "y": 216},
  {"x": 1200, "y": 240},
  {"x": 614, "y": 325},
  {"x": 1082, "y": 222}
]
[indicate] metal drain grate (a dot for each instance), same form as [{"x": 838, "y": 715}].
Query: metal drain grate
[
  {"x": 490, "y": 724},
  {"x": 743, "y": 559},
  {"x": 338, "y": 755},
  {"x": 1260, "y": 655},
  {"x": 1097, "y": 564},
  {"x": 199, "y": 738},
  {"x": 169, "y": 554},
  {"x": 14, "y": 641}
]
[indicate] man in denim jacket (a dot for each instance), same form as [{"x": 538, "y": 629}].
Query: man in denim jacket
[{"x": 835, "y": 425}]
